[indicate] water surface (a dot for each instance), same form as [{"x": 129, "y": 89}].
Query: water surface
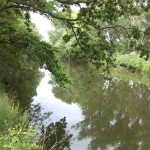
[{"x": 100, "y": 114}]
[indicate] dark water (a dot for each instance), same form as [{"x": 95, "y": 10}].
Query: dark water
[{"x": 99, "y": 114}]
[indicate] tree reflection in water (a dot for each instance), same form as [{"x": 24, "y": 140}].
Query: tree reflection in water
[
  {"x": 55, "y": 136},
  {"x": 21, "y": 84},
  {"x": 116, "y": 113},
  {"x": 52, "y": 136}
]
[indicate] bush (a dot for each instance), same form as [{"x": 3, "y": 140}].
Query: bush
[
  {"x": 133, "y": 62},
  {"x": 18, "y": 138}
]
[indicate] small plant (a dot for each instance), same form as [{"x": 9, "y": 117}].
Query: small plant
[{"x": 18, "y": 138}]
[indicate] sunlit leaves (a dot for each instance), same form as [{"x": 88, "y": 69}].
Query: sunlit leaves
[{"x": 93, "y": 36}]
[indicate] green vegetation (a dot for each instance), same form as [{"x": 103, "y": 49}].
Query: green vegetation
[
  {"x": 94, "y": 33},
  {"x": 133, "y": 62},
  {"x": 13, "y": 132},
  {"x": 18, "y": 138},
  {"x": 17, "y": 134},
  {"x": 22, "y": 49},
  {"x": 8, "y": 113}
]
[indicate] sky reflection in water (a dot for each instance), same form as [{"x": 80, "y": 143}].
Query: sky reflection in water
[{"x": 49, "y": 103}]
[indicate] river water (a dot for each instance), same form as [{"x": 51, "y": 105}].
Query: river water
[{"x": 99, "y": 114}]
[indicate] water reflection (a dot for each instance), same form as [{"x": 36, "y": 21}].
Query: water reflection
[
  {"x": 50, "y": 113},
  {"x": 38, "y": 117},
  {"x": 21, "y": 84},
  {"x": 116, "y": 113},
  {"x": 55, "y": 136},
  {"x": 52, "y": 135}
]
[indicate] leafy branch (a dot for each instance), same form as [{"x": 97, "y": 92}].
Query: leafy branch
[{"x": 32, "y": 6}]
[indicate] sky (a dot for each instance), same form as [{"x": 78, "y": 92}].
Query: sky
[{"x": 42, "y": 24}]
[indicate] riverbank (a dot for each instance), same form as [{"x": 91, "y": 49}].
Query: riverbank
[
  {"x": 127, "y": 62},
  {"x": 120, "y": 72},
  {"x": 18, "y": 132},
  {"x": 133, "y": 63},
  {"x": 126, "y": 75},
  {"x": 13, "y": 131}
]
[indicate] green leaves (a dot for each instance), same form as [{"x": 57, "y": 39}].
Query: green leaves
[
  {"x": 133, "y": 62},
  {"x": 22, "y": 49},
  {"x": 66, "y": 38},
  {"x": 18, "y": 138},
  {"x": 136, "y": 33},
  {"x": 100, "y": 29}
]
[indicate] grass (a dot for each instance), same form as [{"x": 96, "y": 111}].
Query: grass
[
  {"x": 9, "y": 114},
  {"x": 14, "y": 134}
]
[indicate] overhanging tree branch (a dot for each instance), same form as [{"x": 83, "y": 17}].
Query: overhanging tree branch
[
  {"x": 32, "y": 6},
  {"x": 72, "y": 28},
  {"x": 107, "y": 27},
  {"x": 13, "y": 6},
  {"x": 76, "y": 2}
]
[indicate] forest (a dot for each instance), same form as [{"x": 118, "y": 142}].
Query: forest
[{"x": 105, "y": 34}]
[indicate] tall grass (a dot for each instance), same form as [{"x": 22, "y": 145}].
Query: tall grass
[
  {"x": 9, "y": 114},
  {"x": 14, "y": 134}
]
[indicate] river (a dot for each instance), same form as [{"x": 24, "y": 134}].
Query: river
[{"x": 93, "y": 113}]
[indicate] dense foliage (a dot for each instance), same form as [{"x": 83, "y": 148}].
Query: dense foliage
[
  {"x": 22, "y": 50},
  {"x": 93, "y": 33},
  {"x": 95, "y": 29},
  {"x": 8, "y": 112}
]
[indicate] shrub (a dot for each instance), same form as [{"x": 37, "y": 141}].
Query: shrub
[
  {"x": 133, "y": 62},
  {"x": 18, "y": 138}
]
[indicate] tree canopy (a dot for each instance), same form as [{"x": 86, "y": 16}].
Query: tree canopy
[{"x": 98, "y": 27}]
